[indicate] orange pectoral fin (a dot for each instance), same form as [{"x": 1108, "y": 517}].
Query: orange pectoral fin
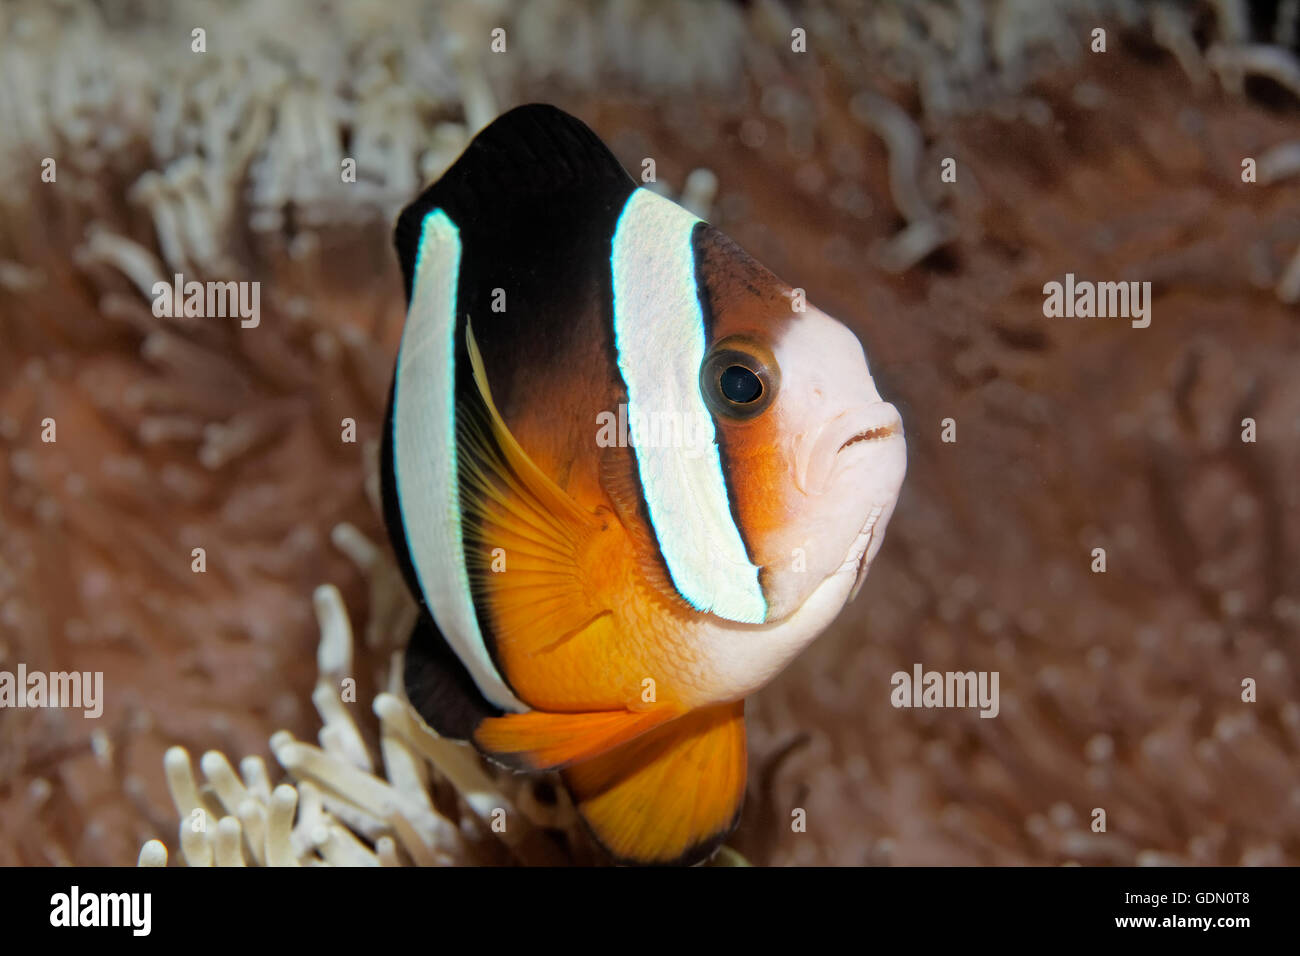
[
  {"x": 546, "y": 741},
  {"x": 530, "y": 551},
  {"x": 670, "y": 796}
]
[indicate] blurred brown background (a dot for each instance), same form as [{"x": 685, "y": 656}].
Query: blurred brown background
[{"x": 1119, "y": 690}]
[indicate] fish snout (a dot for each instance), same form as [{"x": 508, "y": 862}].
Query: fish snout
[{"x": 865, "y": 434}]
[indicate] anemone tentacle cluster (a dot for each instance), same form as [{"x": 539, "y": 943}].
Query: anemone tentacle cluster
[{"x": 334, "y": 807}]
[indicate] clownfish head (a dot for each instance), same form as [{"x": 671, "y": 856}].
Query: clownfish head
[{"x": 811, "y": 461}]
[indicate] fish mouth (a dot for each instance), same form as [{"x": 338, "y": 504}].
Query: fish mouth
[
  {"x": 819, "y": 457},
  {"x": 873, "y": 434}
]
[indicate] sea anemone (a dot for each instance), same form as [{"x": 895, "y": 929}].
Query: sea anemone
[
  {"x": 335, "y": 808},
  {"x": 1121, "y": 690}
]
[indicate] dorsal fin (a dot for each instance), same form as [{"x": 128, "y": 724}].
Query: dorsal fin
[{"x": 530, "y": 155}]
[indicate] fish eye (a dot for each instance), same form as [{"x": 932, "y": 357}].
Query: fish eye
[
  {"x": 739, "y": 385},
  {"x": 739, "y": 378}
]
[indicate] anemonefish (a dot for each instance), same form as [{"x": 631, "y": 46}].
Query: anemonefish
[{"x": 600, "y": 600}]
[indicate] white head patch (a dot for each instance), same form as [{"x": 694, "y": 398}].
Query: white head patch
[{"x": 660, "y": 337}]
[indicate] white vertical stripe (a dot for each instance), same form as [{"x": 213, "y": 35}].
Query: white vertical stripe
[
  {"x": 424, "y": 453},
  {"x": 659, "y": 333}
]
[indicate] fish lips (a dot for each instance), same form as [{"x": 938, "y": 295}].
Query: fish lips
[
  {"x": 880, "y": 436},
  {"x": 847, "y": 434}
]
